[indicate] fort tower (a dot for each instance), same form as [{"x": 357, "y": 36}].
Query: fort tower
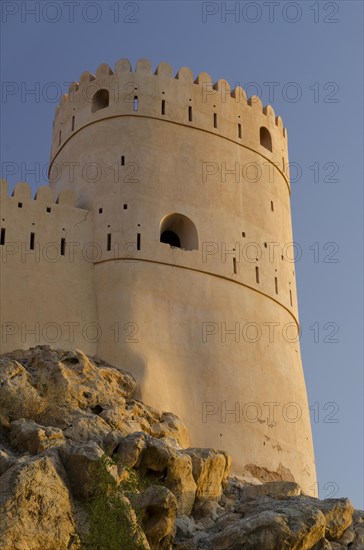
[{"x": 184, "y": 188}]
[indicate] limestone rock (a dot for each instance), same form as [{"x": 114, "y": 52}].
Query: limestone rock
[
  {"x": 172, "y": 430},
  {"x": 274, "y": 489},
  {"x": 323, "y": 544},
  {"x": 62, "y": 411},
  {"x": 279, "y": 527},
  {"x": 174, "y": 466},
  {"x": 7, "y": 459},
  {"x": 210, "y": 468},
  {"x": 185, "y": 525},
  {"x": 128, "y": 448},
  {"x": 86, "y": 427},
  {"x": 158, "y": 507},
  {"x": 338, "y": 514},
  {"x": 26, "y": 435},
  {"x": 81, "y": 461},
  {"x": 36, "y": 506}
]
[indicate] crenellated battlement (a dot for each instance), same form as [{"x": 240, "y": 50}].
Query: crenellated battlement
[
  {"x": 34, "y": 226},
  {"x": 22, "y": 193},
  {"x": 195, "y": 102}
]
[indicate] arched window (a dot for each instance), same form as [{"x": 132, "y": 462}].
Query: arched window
[
  {"x": 100, "y": 100},
  {"x": 179, "y": 231},
  {"x": 265, "y": 138}
]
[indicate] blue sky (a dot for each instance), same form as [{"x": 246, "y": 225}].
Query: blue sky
[{"x": 311, "y": 55}]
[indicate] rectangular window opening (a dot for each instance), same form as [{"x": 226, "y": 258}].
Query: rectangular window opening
[
  {"x": 243, "y": 234},
  {"x": 108, "y": 245},
  {"x": 290, "y": 297},
  {"x": 136, "y": 103},
  {"x": 100, "y": 210},
  {"x": 163, "y": 106},
  {"x": 215, "y": 120},
  {"x": 2, "y": 236},
  {"x": 138, "y": 241},
  {"x": 73, "y": 123},
  {"x": 125, "y": 206},
  {"x": 60, "y": 138},
  {"x": 257, "y": 274},
  {"x": 122, "y": 160},
  {"x": 190, "y": 113},
  {"x": 234, "y": 266},
  {"x": 272, "y": 206},
  {"x": 32, "y": 240},
  {"x": 49, "y": 209},
  {"x": 239, "y": 131},
  {"x": 20, "y": 205},
  {"x": 276, "y": 284},
  {"x": 63, "y": 247}
]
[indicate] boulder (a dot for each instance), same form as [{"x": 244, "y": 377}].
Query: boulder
[
  {"x": 28, "y": 436},
  {"x": 129, "y": 448},
  {"x": 36, "y": 506},
  {"x": 210, "y": 468},
  {"x": 174, "y": 467},
  {"x": 81, "y": 462},
  {"x": 338, "y": 514},
  {"x": 284, "y": 527},
  {"x": 274, "y": 489},
  {"x": 158, "y": 508}
]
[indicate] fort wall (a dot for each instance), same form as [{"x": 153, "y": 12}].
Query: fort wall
[{"x": 47, "y": 291}]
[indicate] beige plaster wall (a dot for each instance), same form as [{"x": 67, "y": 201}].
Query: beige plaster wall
[{"x": 46, "y": 297}]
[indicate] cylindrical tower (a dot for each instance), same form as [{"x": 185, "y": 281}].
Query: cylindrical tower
[{"x": 194, "y": 272}]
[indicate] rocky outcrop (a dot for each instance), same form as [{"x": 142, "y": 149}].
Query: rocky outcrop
[{"x": 80, "y": 457}]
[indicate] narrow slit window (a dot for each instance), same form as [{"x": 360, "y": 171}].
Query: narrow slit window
[
  {"x": 136, "y": 103},
  {"x": 60, "y": 137},
  {"x": 2, "y": 236},
  {"x": 234, "y": 266},
  {"x": 283, "y": 164},
  {"x": 163, "y": 107},
  {"x": 32, "y": 241},
  {"x": 122, "y": 160},
  {"x": 239, "y": 131},
  {"x": 73, "y": 123},
  {"x": 272, "y": 206},
  {"x": 138, "y": 241},
  {"x": 100, "y": 210},
  {"x": 190, "y": 113},
  {"x": 63, "y": 246},
  {"x": 215, "y": 120},
  {"x": 257, "y": 274},
  {"x": 276, "y": 284},
  {"x": 108, "y": 245},
  {"x": 20, "y": 205},
  {"x": 290, "y": 297},
  {"x": 243, "y": 234}
]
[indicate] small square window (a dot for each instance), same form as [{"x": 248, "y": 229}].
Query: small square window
[
  {"x": 100, "y": 210},
  {"x": 20, "y": 205},
  {"x": 48, "y": 209}
]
